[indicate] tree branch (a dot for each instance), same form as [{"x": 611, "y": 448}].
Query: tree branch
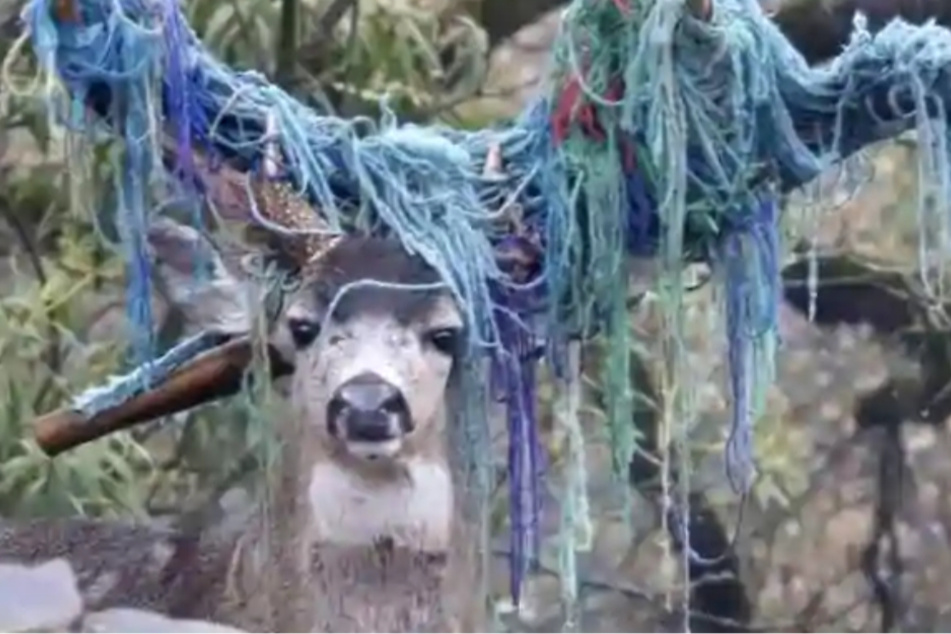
[{"x": 287, "y": 46}]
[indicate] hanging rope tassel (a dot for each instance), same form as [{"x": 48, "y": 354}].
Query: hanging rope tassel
[
  {"x": 576, "y": 530},
  {"x": 661, "y": 137},
  {"x": 750, "y": 263}
]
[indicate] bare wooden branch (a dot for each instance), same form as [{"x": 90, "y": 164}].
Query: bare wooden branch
[
  {"x": 287, "y": 43},
  {"x": 215, "y": 374}
]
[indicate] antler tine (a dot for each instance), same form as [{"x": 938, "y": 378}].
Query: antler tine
[
  {"x": 306, "y": 238},
  {"x": 280, "y": 204}
]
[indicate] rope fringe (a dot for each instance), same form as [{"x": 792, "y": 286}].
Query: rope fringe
[{"x": 661, "y": 136}]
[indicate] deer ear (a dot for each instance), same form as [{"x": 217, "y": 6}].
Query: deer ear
[
  {"x": 179, "y": 247},
  {"x": 192, "y": 277}
]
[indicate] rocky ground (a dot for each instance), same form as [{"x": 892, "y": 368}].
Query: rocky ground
[{"x": 45, "y": 598}]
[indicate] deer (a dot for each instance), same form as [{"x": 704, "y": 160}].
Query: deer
[{"x": 367, "y": 528}]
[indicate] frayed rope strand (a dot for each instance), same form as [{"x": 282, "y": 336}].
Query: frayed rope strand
[
  {"x": 661, "y": 136},
  {"x": 750, "y": 265},
  {"x": 576, "y": 530},
  {"x": 120, "y": 389}
]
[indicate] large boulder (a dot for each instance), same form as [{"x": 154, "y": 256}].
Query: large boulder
[
  {"x": 130, "y": 621},
  {"x": 38, "y": 598},
  {"x": 46, "y": 598}
]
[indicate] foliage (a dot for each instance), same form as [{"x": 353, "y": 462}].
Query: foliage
[
  {"x": 48, "y": 313},
  {"x": 61, "y": 287},
  {"x": 423, "y": 56}
]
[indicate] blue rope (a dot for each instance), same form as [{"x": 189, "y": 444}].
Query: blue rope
[
  {"x": 698, "y": 125},
  {"x": 119, "y": 389},
  {"x": 753, "y": 288}
]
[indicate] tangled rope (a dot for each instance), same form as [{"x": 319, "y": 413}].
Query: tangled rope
[{"x": 662, "y": 135}]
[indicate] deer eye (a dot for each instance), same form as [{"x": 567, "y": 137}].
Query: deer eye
[
  {"x": 444, "y": 340},
  {"x": 303, "y": 331}
]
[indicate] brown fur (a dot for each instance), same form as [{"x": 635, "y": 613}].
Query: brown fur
[{"x": 411, "y": 563}]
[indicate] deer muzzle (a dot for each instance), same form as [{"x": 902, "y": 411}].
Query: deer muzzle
[{"x": 366, "y": 412}]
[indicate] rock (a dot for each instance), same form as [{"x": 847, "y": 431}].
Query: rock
[
  {"x": 36, "y": 598},
  {"x": 129, "y": 620},
  {"x": 45, "y": 598}
]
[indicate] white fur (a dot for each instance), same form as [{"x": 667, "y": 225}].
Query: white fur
[
  {"x": 378, "y": 344},
  {"x": 372, "y": 450},
  {"x": 415, "y": 511}
]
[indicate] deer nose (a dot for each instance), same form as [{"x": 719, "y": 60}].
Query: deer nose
[{"x": 368, "y": 408}]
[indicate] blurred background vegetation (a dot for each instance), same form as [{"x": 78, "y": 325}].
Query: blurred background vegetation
[
  {"x": 454, "y": 61},
  {"x": 61, "y": 284}
]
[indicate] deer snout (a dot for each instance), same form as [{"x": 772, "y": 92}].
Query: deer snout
[{"x": 368, "y": 409}]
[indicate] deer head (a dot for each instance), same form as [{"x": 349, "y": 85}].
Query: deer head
[
  {"x": 373, "y": 355},
  {"x": 372, "y": 362}
]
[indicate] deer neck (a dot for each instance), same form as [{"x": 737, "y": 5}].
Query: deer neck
[
  {"x": 335, "y": 500},
  {"x": 409, "y": 503},
  {"x": 343, "y": 547}
]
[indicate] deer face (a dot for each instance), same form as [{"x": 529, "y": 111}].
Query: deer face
[{"x": 372, "y": 369}]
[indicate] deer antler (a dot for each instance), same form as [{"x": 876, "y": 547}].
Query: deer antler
[
  {"x": 306, "y": 238},
  {"x": 280, "y": 204},
  {"x": 217, "y": 372}
]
